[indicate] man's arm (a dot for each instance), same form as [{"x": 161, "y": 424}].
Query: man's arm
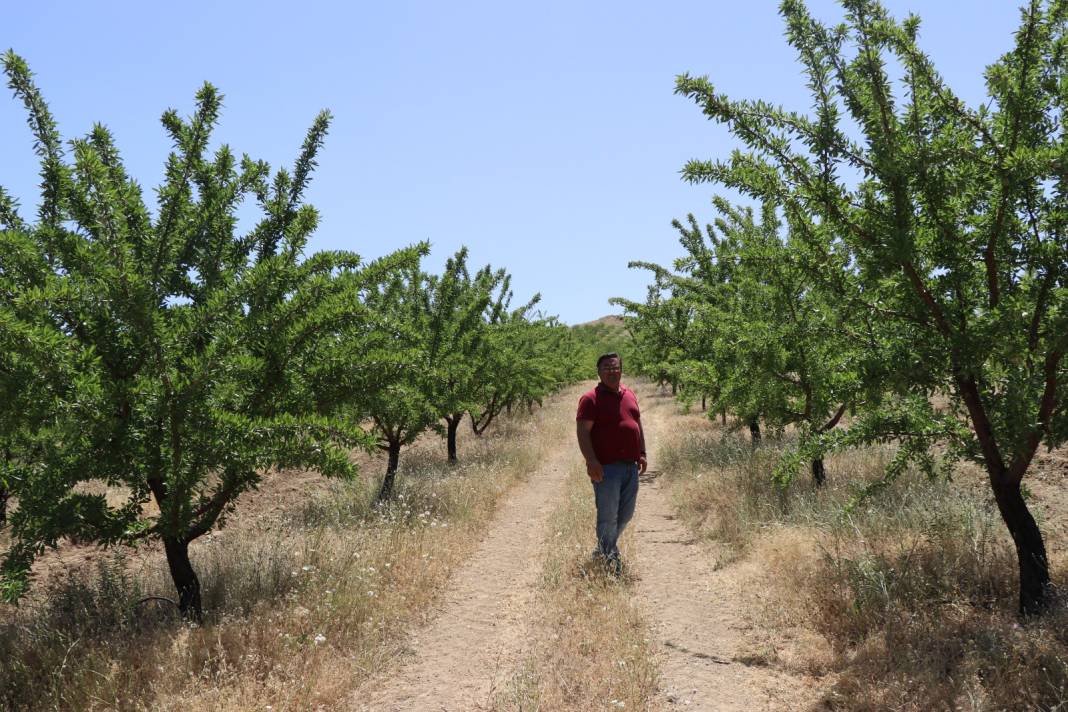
[
  {"x": 583, "y": 429},
  {"x": 643, "y": 459}
]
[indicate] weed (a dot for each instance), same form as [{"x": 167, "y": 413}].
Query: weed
[
  {"x": 914, "y": 589},
  {"x": 303, "y": 604}
]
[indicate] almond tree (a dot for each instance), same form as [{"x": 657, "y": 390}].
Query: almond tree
[
  {"x": 186, "y": 334},
  {"x": 391, "y": 351},
  {"x": 494, "y": 389},
  {"x": 525, "y": 358},
  {"x": 456, "y": 333},
  {"x": 546, "y": 357},
  {"x": 658, "y": 328},
  {"x": 712, "y": 362},
  {"x": 950, "y": 220},
  {"x": 422, "y": 347},
  {"x": 787, "y": 344}
]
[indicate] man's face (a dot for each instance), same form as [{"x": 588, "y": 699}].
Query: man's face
[{"x": 610, "y": 372}]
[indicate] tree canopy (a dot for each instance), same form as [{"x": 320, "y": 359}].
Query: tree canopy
[
  {"x": 156, "y": 363},
  {"x": 940, "y": 226}
]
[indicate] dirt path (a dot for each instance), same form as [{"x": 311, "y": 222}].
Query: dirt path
[
  {"x": 472, "y": 645},
  {"x": 471, "y": 648},
  {"x": 695, "y": 611}
]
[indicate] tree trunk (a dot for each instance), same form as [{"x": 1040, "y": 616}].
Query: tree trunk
[
  {"x": 492, "y": 410},
  {"x": 723, "y": 417},
  {"x": 5, "y": 493},
  {"x": 704, "y": 406},
  {"x": 754, "y": 430},
  {"x": 185, "y": 578},
  {"x": 1035, "y": 586},
  {"x": 391, "y": 472},
  {"x": 819, "y": 475},
  {"x": 674, "y": 388},
  {"x": 454, "y": 424},
  {"x": 476, "y": 429}
]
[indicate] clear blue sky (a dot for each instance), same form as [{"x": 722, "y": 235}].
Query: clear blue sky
[{"x": 544, "y": 136}]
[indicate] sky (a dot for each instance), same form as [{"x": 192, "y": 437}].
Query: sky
[{"x": 546, "y": 137}]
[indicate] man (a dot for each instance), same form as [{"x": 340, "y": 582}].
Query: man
[{"x": 611, "y": 439}]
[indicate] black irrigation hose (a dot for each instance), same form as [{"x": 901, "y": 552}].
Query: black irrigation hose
[{"x": 146, "y": 599}]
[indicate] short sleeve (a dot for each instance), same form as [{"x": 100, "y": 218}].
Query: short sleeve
[{"x": 586, "y": 409}]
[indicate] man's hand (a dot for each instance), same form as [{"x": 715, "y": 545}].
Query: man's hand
[
  {"x": 643, "y": 463},
  {"x": 594, "y": 470},
  {"x": 584, "y": 428}
]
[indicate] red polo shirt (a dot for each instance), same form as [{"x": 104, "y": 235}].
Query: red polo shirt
[{"x": 616, "y": 432}]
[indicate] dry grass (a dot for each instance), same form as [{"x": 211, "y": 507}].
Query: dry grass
[
  {"x": 912, "y": 593},
  {"x": 590, "y": 650},
  {"x": 302, "y": 607}
]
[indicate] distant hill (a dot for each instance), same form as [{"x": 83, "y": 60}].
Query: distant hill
[
  {"x": 603, "y": 335},
  {"x": 612, "y": 320}
]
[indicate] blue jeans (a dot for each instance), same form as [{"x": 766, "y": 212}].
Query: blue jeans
[{"x": 616, "y": 494}]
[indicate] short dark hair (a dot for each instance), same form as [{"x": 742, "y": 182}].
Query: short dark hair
[{"x": 604, "y": 357}]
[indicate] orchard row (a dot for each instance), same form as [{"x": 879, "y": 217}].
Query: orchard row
[
  {"x": 175, "y": 360},
  {"x": 906, "y": 263}
]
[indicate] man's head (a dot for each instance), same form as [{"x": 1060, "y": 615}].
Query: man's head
[{"x": 610, "y": 369}]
